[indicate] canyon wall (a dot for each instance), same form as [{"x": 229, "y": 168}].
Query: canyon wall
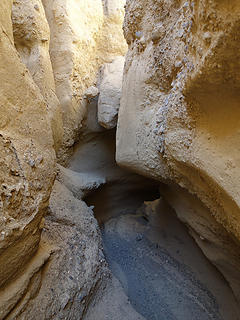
[
  {"x": 27, "y": 166},
  {"x": 179, "y": 116},
  {"x": 31, "y": 38},
  {"x": 84, "y": 35},
  {"x": 51, "y": 259},
  {"x": 178, "y": 123}
]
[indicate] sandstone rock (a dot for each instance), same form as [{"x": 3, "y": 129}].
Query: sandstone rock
[
  {"x": 110, "y": 93},
  {"x": 162, "y": 270},
  {"x": 93, "y": 165},
  {"x": 179, "y": 123},
  {"x": 80, "y": 184},
  {"x": 31, "y": 38},
  {"x": 114, "y": 303},
  {"x": 16, "y": 295},
  {"x": 216, "y": 243},
  {"x": 91, "y": 92},
  {"x": 62, "y": 287},
  {"x": 179, "y": 114},
  {"x": 83, "y": 37},
  {"x": 113, "y": 7},
  {"x": 27, "y": 162}
]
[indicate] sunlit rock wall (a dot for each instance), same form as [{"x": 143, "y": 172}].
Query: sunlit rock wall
[
  {"x": 31, "y": 37},
  {"x": 27, "y": 165},
  {"x": 179, "y": 116},
  {"x": 84, "y": 35},
  {"x": 50, "y": 54}
]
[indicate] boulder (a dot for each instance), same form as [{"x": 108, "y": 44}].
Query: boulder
[{"x": 110, "y": 88}]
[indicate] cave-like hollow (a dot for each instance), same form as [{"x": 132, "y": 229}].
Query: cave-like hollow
[{"x": 157, "y": 269}]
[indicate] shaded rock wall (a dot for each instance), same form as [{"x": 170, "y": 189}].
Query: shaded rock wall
[
  {"x": 179, "y": 113},
  {"x": 178, "y": 123},
  {"x": 218, "y": 245},
  {"x": 74, "y": 266}
]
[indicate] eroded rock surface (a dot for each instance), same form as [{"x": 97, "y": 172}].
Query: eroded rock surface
[
  {"x": 27, "y": 168},
  {"x": 31, "y": 38},
  {"x": 160, "y": 269},
  {"x": 80, "y": 183},
  {"x": 62, "y": 288},
  {"x": 42, "y": 105},
  {"x": 110, "y": 88},
  {"x": 179, "y": 113},
  {"x": 178, "y": 123},
  {"x": 84, "y": 35},
  {"x": 216, "y": 243}
]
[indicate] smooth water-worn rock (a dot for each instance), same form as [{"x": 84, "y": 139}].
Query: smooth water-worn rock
[
  {"x": 161, "y": 271},
  {"x": 42, "y": 105},
  {"x": 61, "y": 80},
  {"x": 110, "y": 88},
  {"x": 179, "y": 116},
  {"x": 216, "y": 243},
  {"x": 84, "y": 35},
  {"x": 27, "y": 168},
  {"x": 80, "y": 183},
  {"x": 31, "y": 38}
]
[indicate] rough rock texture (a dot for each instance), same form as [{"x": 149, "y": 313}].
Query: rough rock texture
[
  {"x": 179, "y": 117},
  {"x": 31, "y": 38},
  {"x": 80, "y": 183},
  {"x": 112, "y": 304},
  {"x": 120, "y": 190},
  {"x": 50, "y": 274},
  {"x": 62, "y": 288},
  {"x": 84, "y": 35},
  {"x": 179, "y": 121},
  {"x": 27, "y": 165},
  {"x": 110, "y": 88}
]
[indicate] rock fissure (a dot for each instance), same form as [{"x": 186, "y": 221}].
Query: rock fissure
[{"x": 119, "y": 152}]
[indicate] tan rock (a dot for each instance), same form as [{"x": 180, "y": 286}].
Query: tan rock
[
  {"x": 31, "y": 38},
  {"x": 27, "y": 158},
  {"x": 110, "y": 88},
  {"x": 50, "y": 274},
  {"x": 83, "y": 37},
  {"x": 179, "y": 113},
  {"x": 80, "y": 184},
  {"x": 91, "y": 92},
  {"x": 76, "y": 266}
]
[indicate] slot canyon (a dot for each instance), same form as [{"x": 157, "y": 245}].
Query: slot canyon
[{"x": 120, "y": 159}]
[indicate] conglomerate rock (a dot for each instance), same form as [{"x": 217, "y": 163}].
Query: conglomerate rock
[{"x": 179, "y": 117}]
